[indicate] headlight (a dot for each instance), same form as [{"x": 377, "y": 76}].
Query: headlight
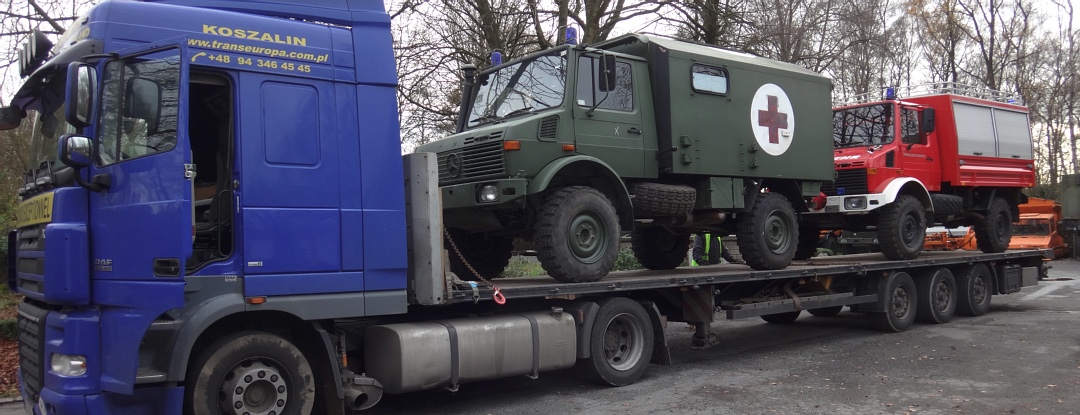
[
  {"x": 488, "y": 193},
  {"x": 68, "y": 365},
  {"x": 853, "y": 203}
]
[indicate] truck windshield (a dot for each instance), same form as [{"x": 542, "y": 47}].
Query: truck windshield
[
  {"x": 43, "y": 126},
  {"x": 520, "y": 88},
  {"x": 869, "y": 125}
]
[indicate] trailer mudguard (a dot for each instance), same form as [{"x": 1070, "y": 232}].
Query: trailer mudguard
[{"x": 595, "y": 168}]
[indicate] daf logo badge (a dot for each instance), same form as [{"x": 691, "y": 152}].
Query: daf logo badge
[{"x": 453, "y": 165}]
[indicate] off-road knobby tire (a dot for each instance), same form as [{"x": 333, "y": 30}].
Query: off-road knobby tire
[
  {"x": 488, "y": 256},
  {"x": 768, "y": 233},
  {"x": 826, "y": 311},
  {"x": 657, "y": 199},
  {"x": 994, "y": 231},
  {"x": 974, "y": 289},
  {"x": 620, "y": 343},
  {"x": 901, "y": 228},
  {"x": 782, "y": 318},
  {"x": 577, "y": 235},
  {"x": 901, "y": 305},
  {"x": 659, "y": 248},
  {"x": 809, "y": 236},
  {"x": 945, "y": 204},
  {"x": 936, "y": 289},
  {"x": 236, "y": 355}
]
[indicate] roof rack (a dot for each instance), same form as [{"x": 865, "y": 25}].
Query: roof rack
[{"x": 934, "y": 88}]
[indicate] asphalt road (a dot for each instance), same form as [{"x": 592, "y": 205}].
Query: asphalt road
[{"x": 1021, "y": 358}]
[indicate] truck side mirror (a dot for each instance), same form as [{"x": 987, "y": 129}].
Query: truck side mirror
[
  {"x": 74, "y": 151},
  {"x": 81, "y": 85},
  {"x": 143, "y": 101},
  {"x": 606, "y": 73},
  {"x": 926, "y": 124}
]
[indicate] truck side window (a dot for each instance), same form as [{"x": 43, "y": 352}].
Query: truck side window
[
  {"x": 140, "y": 111},
  {"x": 588, "y": 92},
  {"x": 709, "y": 79},
  {"x": 909, "y": 127}
]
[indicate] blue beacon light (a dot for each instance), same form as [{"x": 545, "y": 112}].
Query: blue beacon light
[
  {"x": 571, "y": 36},
  {"x": 496, "y": 58}
]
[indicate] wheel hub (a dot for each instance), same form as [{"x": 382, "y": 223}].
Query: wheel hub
[
  {"x": 979, "y": 293},
  {"x": 776, "y": 232},
  {"x": 942, "y": 296},
  {"x": 254, "y": 387},
  {"x": 623, "y": 342},
  {"x": 909, "y": 229},
  {"x": 901, "y": 303},
  {"x": 587, "y": 237}
]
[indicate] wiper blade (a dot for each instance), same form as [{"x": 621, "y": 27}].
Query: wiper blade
[
  {"x": 518, "y": 111},
  {"x": 485, "y": 119}
]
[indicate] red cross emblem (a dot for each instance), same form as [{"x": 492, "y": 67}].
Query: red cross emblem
[{"x": 773, "y": 119}]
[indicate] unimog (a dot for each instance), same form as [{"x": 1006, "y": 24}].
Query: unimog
[{"x": 571, "y": 147}]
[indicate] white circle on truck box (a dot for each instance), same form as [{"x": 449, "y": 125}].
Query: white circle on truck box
[{"x": 772, "y": 119}]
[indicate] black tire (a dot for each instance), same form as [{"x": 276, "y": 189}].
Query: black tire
[
  {"x": 937, "y": 296},
  {"x": 768, "y": 233},
  {"x": 659, "y": 248},
  {"x": 488, "y": 256},
  {"x": 656, "y": 199},
  {"x": 782, "y": 318},
  {"x": 974, "y": 288},
  {"x": 809, "y": 236},
  {"x": 577, "y": 235},
  {"x": 256, "y": 370},
  {"x": 901, "y": 228},
  {"x": 620, "y": 343},
  {"x": 901, "y": 305},
  {"x": 826, "y": 311},
  {"x": 994, "y": 231}
]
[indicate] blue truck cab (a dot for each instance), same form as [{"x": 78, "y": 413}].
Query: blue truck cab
[{"x": 202, "y": 168}]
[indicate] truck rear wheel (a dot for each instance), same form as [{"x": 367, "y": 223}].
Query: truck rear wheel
[
  {"x": 577, "y": 235},
  {"x": 974, "y": 288},
  {"x": 782, "y": 318},
  {"x": 937, "y": 296},
  {"x": 768, "y": 234},
  {"x": 621, "y": 343},
  {"x": 488, "y": 256},
  {"x": 663, "y": 199},
  {"x": 994, "y": 231},
  {"x": 659, "y": 248},
  {"x": 250, "y": 373},
  {"x": 901, "y": 228},
  {"x": 900, "y": 305}
]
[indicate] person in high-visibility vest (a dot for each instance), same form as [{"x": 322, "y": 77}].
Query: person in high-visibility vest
[{"x": 708, "y": 250}]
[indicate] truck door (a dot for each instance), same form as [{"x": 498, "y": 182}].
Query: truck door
[
  {"x": 608, "y": 123},
  {"x": 140, "y": 226},
  {"x": 919, "y": 154}
]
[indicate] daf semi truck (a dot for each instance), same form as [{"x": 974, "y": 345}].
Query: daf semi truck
[{"x": 217, "y": 219}]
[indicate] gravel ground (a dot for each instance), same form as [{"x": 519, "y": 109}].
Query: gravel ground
[{"x": 1021, "y": 358}]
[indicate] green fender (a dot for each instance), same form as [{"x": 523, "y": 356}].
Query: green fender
[{"x": 615, "y": 188}]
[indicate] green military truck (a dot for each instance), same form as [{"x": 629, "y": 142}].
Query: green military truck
[{"x": 571, "y": 146}]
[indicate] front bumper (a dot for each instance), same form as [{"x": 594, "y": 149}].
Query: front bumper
[
  {"x": 465, "y": 195},
  {"x": 844, "y": 204},
  {"x": 156, "y": 400}
]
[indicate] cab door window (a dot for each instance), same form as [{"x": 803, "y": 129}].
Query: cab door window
[
  {"x": 139, "y": 109},
  {"x": 588, "y": 89}
]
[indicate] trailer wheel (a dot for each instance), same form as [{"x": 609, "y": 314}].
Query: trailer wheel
[
  {"x": 809, "y": 235},
  {"x": 768, "y": 233},
  {"x": 994, "y": 231},
  {"x": 974, "y": 288},
  {"x": 826, "y": 311},
  {"x": 250, "y": 373},
  {"x": 901, "y": 228},
  {"x": 577, "y": 235},
  {"x": 488, "y": 256},
  {"x": 900, "y": 305},
  {"x": 621, "y": 343},
  {"x": 937, "y": 296},
  {"x": 782, "y": 318},
  {"x": 659, "y": 248}
]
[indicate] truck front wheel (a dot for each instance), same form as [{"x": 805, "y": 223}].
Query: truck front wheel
[
  {"x": 994, "y": 231},
  {"x": 659, "y": 248},
  {"x": 250, "y": 373},
  {"x": 768, "y": 234},
  {"x": 577, "y": 235},
  {"x": 488, "y": 256},
  {"x": 621, "y": 343},
  {"x": 901, "y": 228}
]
